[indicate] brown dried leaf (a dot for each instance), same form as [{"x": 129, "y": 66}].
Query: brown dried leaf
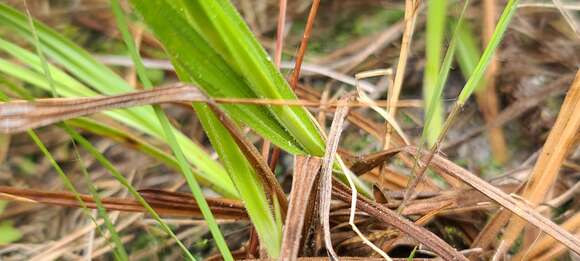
[
  {"x": 165, "y": 203},
  {"x": 326, "y": 173},
  {"x": 390, "y": 217},
  {"x": 545, "y": 172},
  {"x": 517, "y": 207},
  {"x": 305, "y": 174}
]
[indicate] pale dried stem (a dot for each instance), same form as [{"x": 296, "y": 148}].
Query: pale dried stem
[{"x": 557, "y": 146}]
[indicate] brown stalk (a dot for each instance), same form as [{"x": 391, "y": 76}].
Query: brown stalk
[
  {"x": 487, "y": 97},
  {"x": 411, "y": 12},
  {"x": 305, "y": 174},
  {"x": 545, "y": 172},
  {"x": 165, "y": 203},
  {"x": 546, "y": 242},
  {"x": 304, "y": 43},
  {"x": 521, "y": 209},
  {"x": 487, "y": 236},
  {"x": 18, "y": 116},
  {"x": 390, "y": 217},
  {"x": 326, "y": 173}
]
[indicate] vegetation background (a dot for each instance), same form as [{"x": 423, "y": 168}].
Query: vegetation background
[{"x": 77, "y": 190}]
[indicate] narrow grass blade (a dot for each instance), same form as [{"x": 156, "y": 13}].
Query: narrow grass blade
[
  {"x": 125, "y": 183},
  {"x": 74, "y": 134},
  {"x": 436, "y": 14},
  {"x": 479, "y": 71},
  {"x": 170, "y": 136},
  {"x": 468, "y": 52},
  {"x": 119, "y": 251},
  {"x": 244, "y": 176},
  {"x": 437, "y": 91},
  {"x": 98, "y": 79}
]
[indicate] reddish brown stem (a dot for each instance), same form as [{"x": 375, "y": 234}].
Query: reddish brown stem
[{"x": 304, "y": 43}]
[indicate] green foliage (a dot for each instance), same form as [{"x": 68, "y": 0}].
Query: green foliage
[
  {"x": 431, "y": 111},
  {"x": 468, "y": 52},
  {"x": 436, "y": 14},
  {"x": 8, "y": 233},
  {"x": 90, "y": 78},
  {"x": 245, "y": 179},
  {"x": 170, "y": 136},
  {"x": 494, "y": 42},
  {"x": 210, "y": 45}
]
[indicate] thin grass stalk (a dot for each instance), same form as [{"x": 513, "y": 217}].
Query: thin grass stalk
[
  {"x": 119, "y": 252},
  {"x": 169, "y": 135},
  {"x": 465, "y": 92},
  {"x": 487, "y": 98},
  {"x": 411, "y": 13},
  {"x": 304, "y": 43}
]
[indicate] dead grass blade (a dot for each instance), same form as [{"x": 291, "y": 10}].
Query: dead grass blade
[
  {"x": 369, "y": 162},
  {"x": 390, "y": 217},
  {"x": 488, "y": 234},
  {"x": 487, "y": 97},
  {"x": 165, "y": 203},
  {"x": 326, "y": 173},
  {"x": 411, "y": 12},
  {"x": 545, "y": 172},
  {"x": 18, "y": 116},
  {"x": 305, "y": 173},
  {"x": 546, "y": 242},
  {"x": 517, "y": 207}
]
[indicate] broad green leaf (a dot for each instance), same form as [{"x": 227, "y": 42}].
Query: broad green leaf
[
  {"x": 225, "y": 60},
  {"x": 245, "y": 179}
]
